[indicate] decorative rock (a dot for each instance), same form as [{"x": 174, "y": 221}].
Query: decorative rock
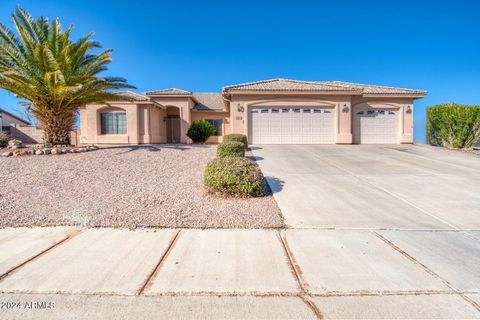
[
  {"x": 15, "y": 142},
  {"x": 55, "y": 151},
  {"x": 7, "y": 154},
  {"x": 18, "y": 153},
  {"x": 46, "y": 151},
  {"x": 14, "y": 147},
  {"x": 63, "y": 150},
  {"x": 38, "y": 152}
]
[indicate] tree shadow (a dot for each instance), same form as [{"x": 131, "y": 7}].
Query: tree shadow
[
  {"x": 154, "y": 147},
  {"x": 274, "y": 184},
  {"x": 255, "y": 158}
]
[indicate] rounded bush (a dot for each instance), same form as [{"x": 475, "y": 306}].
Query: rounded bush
[
  {"x": 453, "y": 125},
  {"x": 236, "y": 137},
  {"x": 234, "y": 176},
  {"x": 200, "y": 131},
  {"x": 231, "y": 149},
  {"x": 4, "y": 138}
]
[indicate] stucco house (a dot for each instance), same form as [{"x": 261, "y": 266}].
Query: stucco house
[
  {"x": 8, "y": 119},
  {"x": 277, "y": 111}
]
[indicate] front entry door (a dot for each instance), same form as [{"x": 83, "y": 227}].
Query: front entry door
[{"x": 173, "y": 129}]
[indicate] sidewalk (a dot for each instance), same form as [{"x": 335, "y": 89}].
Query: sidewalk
[{"x": 167, "y": 273}]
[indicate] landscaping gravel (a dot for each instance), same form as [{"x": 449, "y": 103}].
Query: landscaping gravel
[{"x": 159, "y": 186}]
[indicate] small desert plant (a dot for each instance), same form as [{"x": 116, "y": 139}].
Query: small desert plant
[
  {"x": 234, "y": 176},
  {"x": 231, "y": 149},
  {"x": 4, "y": 138},
  {"x": 200, "y": 131},
  {"x": 236, "y": 137},
  {"x": 453, "y": 125}
]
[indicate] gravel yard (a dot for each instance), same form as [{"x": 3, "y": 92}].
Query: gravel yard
[{"x": 157, "y": 186}]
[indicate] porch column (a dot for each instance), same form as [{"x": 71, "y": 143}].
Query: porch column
[{"x": 344, "y": 124}]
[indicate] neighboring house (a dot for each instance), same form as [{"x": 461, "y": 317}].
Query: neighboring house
[
  {"x": 278, "y": 111},
  {"x": 7, "y": 119}
]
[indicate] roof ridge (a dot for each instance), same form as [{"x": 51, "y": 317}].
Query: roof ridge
[
  {"x": 166, "y": 90},
  {"x": 251, "y": 82},
  {"x": 378, "y": 86}
]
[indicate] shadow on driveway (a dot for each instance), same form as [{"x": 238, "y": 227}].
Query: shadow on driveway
[{"x": 275, "y": 184}]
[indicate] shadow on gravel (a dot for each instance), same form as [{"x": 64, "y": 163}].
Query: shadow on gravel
[
  {"x": 275, "y": 185},
  {"x": 155, "y": 148}
]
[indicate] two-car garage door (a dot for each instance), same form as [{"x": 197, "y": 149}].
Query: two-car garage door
[{"x": 300, "y": 125}]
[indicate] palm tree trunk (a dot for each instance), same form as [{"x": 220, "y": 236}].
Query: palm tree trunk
[{"x": 57, "y": 127}]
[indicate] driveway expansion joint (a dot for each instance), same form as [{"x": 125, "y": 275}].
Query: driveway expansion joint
[
  {"x": 297, "y": 272},
  {"x": 427, "y": 269},
  {"x": 69, "y": 236},
  {"x": 155, "y": 271}
]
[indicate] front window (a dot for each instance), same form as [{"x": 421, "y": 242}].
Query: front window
[
  {"x": 113, "y": 122},
  {"x": 217, "y": 124}
]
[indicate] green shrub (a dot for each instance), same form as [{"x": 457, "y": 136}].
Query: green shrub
[
  {"x": 236, "y": 137},
  {"x": 234, "y": 176},
  {"x": 4, "y": 138},
  {"x": 231, "y": 149},
  {"x": 453, "y": 125},
  {"x": 200, "y": 131}
]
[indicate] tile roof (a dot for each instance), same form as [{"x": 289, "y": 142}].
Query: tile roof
[
  {"x": 13, "y": 116},
  {"x": 168, "y": 92},
  {"x": 374, "y": 89},
  {"x": 209, "y": 101},
  {"x": 133, "y": 96},
  {"x": 313, "y": 86},
  {"x": 286, "y": 85}
]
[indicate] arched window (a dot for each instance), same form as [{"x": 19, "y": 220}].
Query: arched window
[{"x": 113, "y": 122}]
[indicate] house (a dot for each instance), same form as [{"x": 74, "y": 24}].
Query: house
[
  {"x": 278, "y": 111},
  {"x": 8, "y": 119}
]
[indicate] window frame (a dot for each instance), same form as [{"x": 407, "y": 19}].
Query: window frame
[
  {"x": 117, "y": 126},
  {"x": 216, "y": 130}
]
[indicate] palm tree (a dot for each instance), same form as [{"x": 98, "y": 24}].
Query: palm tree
[{"x": 54, "y": 74}]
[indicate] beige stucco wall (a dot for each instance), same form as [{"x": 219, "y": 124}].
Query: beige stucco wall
[
  {"x": 90, "y": 124},
  {"x": 203, "y": 115},
  {"x": 146, "y": 122},
  {"x": 239, "y": 119},
  {"x": 184, "y": 104}
]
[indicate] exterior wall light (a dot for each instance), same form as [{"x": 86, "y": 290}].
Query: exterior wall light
[
  {"x": 240, "y": 108},
  {"x": 345, "y": 108},
  {"x": 409, "y": 109}
]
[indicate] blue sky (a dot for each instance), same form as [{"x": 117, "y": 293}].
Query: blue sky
[{"x": 204, "y": 45}]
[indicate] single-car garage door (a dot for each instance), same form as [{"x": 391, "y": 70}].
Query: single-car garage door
[
  {"x": 291, "y": 125},
  {"x": 376, "y": 126}
]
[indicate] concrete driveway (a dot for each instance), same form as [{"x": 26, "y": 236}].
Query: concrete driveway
[{"x": 373, "y": 187}]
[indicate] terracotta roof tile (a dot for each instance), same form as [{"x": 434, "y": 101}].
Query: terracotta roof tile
[
  {"x": 168, "y": 92},
  {"x": 286, "y": 85},
  {"x": 133, "y": 96},
  {"x": 374, "y": 89},
  {"x": 209, "y": 101},
  {"x": 313, "y": 86}
]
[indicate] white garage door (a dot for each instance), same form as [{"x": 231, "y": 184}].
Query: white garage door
[
  {"x": 291, "y": 126},
  {"x": 376, "y": 126}
]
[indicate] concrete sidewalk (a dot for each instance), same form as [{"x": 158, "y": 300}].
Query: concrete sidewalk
[{"x": 66, "y": 273}]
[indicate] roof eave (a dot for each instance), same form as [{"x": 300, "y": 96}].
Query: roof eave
[
  {"x": 295, "y": 92},
  {"x": 169, "y": 95},
  {"x": 395, "y": 95}
]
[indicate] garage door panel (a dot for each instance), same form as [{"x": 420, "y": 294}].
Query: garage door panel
[
  {"x": 291, "y": 126},
  {"x": 379, "y": 126}
]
